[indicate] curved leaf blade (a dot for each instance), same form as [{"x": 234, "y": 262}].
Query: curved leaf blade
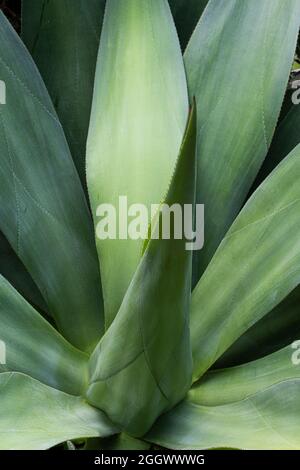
[
  {"x": 277, "y": 329},
  {"x": 233, "y": 384},
  {"x": 34, "y": 347},
  {"x": 63, "y": 39},
  {"x": 267, "y": 420},
  {"x": 43, "y": 211},
  {"x": 37, "y": 417},
  {"x": 14, "y": 271},
  {"x": 233, "y": 294},
  {"x": 137, "y": 125},
  {"x": 237, "y": 62},
  {"x": 137, "y": 375},
  {"x": 286, "y": 137}
]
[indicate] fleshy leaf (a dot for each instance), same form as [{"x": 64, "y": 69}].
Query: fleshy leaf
[
  {"x": 137, "y": 125},
  {"x": 34, "y": 347},
  {"x": 274, "y": 331},
  {"x": 63, "y": 39},
  {"x": 43, "y": 211},
  {"x": 37, "y": 417},
  {"x": 233, "y": 294},
  {"x": 237, "y": 383},
  {"x": 237, "y": 62},
  {"x": 286, "y": 137},
  {"x": 143, "y": 365},
  {"x": 253, "y": 406}
]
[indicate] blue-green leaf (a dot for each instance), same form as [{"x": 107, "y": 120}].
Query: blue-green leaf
[
  {"x": 274, "y": 331},
  {"x": 32, "y": 346},
  {"x": 63, "y": 39},
  {"x": 256, "y": 266},
  {"x": 43, "y": 211},
  {"x": 143, "y": 365},
  {"x": 37, "y": 417},
  {"x": 253, "y": 406},
  {"x": 237, "y": 62},
  {"x": 139, "y": 114}
]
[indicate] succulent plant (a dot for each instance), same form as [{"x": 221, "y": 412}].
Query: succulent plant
[{"x": 125, "y": 343}]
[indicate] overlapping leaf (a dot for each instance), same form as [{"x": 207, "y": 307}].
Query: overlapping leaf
[
  {"x": 237, "y": 62},
  {"x": 34, "y": 347},
  {"x": 237, "y": 383},
  {"x": 139, "y": 113},
  {"x": 267, "y": 420},
  {"x": 186, "y": 16},
  {"x": 253, "y": 406},
  {"x": 142, "y": 365},
  {"x": 43, "y": 212},
  {"x": 34, "y": 416},
  {"x": 286, "y": 137},
  {"x": 274, "y": 331},
  {"x": 63, "y": 38},
  {"x": 14, "y": 271},
  {"x": 254, "y": 269}
]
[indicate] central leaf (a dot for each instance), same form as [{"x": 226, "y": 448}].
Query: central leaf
[
  {"x": 143, "y": 364},
  {"x": 139, "y": 113}
]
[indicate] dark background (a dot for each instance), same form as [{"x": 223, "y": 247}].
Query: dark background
[{"x": 12, "y": 10}]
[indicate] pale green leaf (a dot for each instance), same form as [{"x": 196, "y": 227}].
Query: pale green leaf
[
  {"x": 274, "y": 331},
  {"x": 267, "y": 420},
  {"x": 253, "y": 270},
  {"x": 43, "y": 212},
  {"x": 142, "y": 365},
  {"x": 253, "y": 406},
  {"x": 139, "y": 113},
  {"x": 37, "y": 417},
  {"x": 238, "y": 62},
  {"x": 237, "y": 383},
  {"x": 286, "y": 137},
  {"x": 34, "y": 347}
]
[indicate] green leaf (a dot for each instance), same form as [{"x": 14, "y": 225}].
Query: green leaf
[
  {"x": 286, "y": 137},
  {"x": 237, "y": 383},
  {"x": 37, "y": 417},
  {"x": 138, "y": 120},
  {"x": 274, "y": 331},
  {"x": 186, "y": 16},
  {"x": 237, "y": 62},
  {"x": 43, "y": 211},
  {"x": 267, "y": 420},
  {"x": 63, "y": 38},
  {"x": 14, "y": 271},
  {"x": 142, "y": 365},
  {"x": 34, "y": 347},
  {"x": 233, "y": 294}
]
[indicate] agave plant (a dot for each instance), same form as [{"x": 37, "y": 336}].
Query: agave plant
[{"x": 180, "y": 349}]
